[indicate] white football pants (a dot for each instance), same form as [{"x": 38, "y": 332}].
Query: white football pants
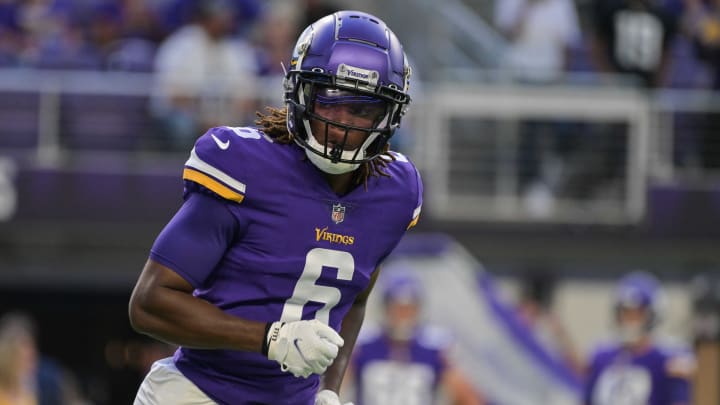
[{"x": 165, "y": 385}]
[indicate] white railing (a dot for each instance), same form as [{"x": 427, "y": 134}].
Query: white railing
[
  {"x": 467, "y": 139},
  {"x": 51, "y": 86},
  {"x": 686, "y": 125},
  {"x": 503, "y": 107}
]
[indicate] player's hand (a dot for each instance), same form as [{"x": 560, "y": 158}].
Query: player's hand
[
  {"x": 327, "y": 397},
  {"x": 303, "y": 347}
]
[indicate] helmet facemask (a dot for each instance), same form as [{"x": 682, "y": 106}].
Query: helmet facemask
[{"x": 312, "y": 104}]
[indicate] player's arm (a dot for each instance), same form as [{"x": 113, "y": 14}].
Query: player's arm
[
  {"x": 681, "y": 369},
  {"x": 162, "y": 306},
  {"x": 183, "y": 258},
  {"x": 332, "y": 379},
  {"x": 184, "y": 255},
  {"x": 591, "y": 374},
  {"x": 458, "y": 388}
]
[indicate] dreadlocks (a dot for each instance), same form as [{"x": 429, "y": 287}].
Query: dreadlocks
[{"x": 274, "y": 125}]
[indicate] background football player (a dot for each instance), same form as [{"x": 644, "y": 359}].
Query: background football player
[
  {"x": 405, "y": 362},
  {"x": 637, "y": 370}
]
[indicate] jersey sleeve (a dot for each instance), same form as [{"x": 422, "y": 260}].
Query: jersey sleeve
[
  {"x": 591, "y": 377},
  {"x": 418, "y": 205},
  {"x": 221, "y": 162},
  {"x": 196, "y": 238},
  {"x": 416, "y": 186},
  {"x": 680, "y": 366}
]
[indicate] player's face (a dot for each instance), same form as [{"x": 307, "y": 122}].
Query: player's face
[
  {"x": 402, "y": 317},
  {"x": 346, "y": 108},
  {"x": 632, "y": 324},
  {"x": 630, "y": 315}
]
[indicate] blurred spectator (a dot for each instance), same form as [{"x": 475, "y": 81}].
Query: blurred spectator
[
  {"x": 314, "y": 10},
  {"x": 104, "y": 30},
  {"x": 26, "y": 377},
  {"x": 540, "y": 34},
  {"x": 131, "y": 55},
  {"x": 96, "y": 37},
  {"x": 633, "y": 37},
  {"x": 702, "y": 25},
  {"x": 11, "y": 37},
  {"x": 18, "y": 362},
  {"x": 54, "y": 35},
  {"x": 637, "y": 369},
  {"x": 203, "y": 76},
  {"x": 142, "y": 20},
  {"x": 178, "y": 13},
  {"x": 275, "y": 37},
  {"x": 406, "y": 362},
  {"x": 535, "y": 310},
  {"x": 631, "y": 40}
]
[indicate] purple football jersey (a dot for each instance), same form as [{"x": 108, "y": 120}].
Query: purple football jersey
[
  {"x": 300, "y": 251},
  {"x": 390, "y": 376},
  {"x": 654, "y": 377}
]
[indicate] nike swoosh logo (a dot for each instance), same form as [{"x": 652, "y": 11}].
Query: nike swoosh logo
[
  {"x": 222, "y": 145},
  {"x": 295, "y": 343}
]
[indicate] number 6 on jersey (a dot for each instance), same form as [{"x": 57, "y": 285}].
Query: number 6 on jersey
[{"x": 306, "y": 290}]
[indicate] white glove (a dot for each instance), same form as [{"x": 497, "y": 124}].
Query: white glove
[
  {"x": 302, "y": 347},
  {"x": 327, "y": 397}
]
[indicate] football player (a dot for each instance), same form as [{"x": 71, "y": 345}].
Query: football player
[
  {"x": 263, "y": 274},
  {"x": 637, "y": 370},
  {"x": 405, "y": 362}
]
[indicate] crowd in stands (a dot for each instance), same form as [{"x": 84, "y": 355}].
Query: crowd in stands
[
  {"x": 648, "y": 44},
  {"x": 128, "y": 34},
  {"x": 206, "y": 54},
  {"x": 101, "y": 34},
  {"x": 657, "y": 43}
]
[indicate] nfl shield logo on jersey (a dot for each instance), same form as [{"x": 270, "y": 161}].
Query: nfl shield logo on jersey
[{"x": 338, "y": 213}]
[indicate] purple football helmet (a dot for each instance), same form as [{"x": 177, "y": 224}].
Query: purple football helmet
[
  {"x": 346, "y": 57},
  {"x": 640, "y": 290},
  {"x": 400, "y": 285}
]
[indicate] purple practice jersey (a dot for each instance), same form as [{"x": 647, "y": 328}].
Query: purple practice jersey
[
  {"x": 289, "y": 249},
  {"x": 655, "y": 377},
  {"x": 389, "y": 376}
]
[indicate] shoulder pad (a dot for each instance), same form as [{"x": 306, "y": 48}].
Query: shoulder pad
[
  {"x": 435, "y": 337},
  {"x": 603, "y": 348},
  {"x": 680, "y": 360},
  {"x": 220, "y": 158},
  {"x": 406, "y": 171},
  {"x": 681, "y": 366}
]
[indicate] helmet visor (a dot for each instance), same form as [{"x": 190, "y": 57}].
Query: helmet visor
[{"x": 347, "y": 106}]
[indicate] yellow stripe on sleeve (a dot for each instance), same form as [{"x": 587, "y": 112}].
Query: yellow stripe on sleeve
[
  {"x": 413, "y": 222},
  {"x": 212, "y": 184}
]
